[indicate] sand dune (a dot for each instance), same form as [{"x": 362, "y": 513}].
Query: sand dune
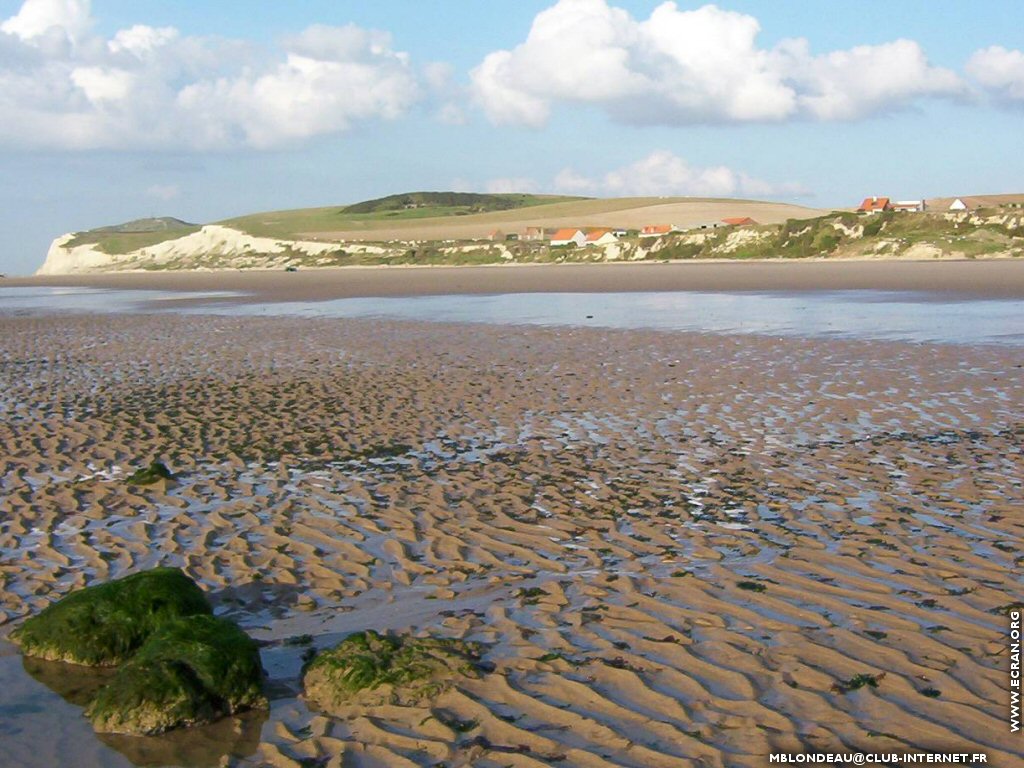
[{"x": 677, "y": 547}]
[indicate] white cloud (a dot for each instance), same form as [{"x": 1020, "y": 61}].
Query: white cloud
[
  {"x": 62, "y": 87},
  {"x": 100, "y": 84},
  {"x": 141, "y": 39},
  {"x": 664, "y": 173},
  {"x": 867, "y": 79},
  {"x": 36, "y": 18},
  {"x": 510, "y": 184},
  {"x": 704, "y": 65},
  {"x": 1000, "y": 72}
]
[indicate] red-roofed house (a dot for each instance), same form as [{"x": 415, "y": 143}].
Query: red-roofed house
[
  {"x": 601, "y": 237},
  {"x": 874, "y": 205},
  {"x": 656, "y": 230},
  {"x": 566, "y": 236},
  {"x": 739, "y": 221}
]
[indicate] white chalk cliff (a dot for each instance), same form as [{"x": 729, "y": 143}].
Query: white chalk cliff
[{"x": 212, "y": 247}]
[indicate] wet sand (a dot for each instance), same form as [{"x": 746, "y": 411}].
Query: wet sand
[
  {"x": 677, "y": 547},
  {"x": 981, "y": 278}
]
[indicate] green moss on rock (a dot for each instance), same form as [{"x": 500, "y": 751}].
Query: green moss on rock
[
  {"x": 154, "y": 473},
  {"x": 192, "y": 670},
  {"x": 105, "y": 625},
  {"x": 370, "y": 669}
]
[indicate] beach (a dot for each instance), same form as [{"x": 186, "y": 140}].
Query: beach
[
  {"x": 677, "y": 548},
  {"x": 995, "y": 278}
]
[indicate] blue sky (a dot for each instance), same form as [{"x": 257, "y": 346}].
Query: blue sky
[{"x": 114, "y": 110}]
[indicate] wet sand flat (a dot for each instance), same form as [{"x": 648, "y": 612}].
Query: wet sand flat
[
  {"x": 679, "y": 548},
  {"x": 997, "y": 278}
]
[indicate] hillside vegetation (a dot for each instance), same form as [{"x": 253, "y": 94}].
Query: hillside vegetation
[
  {"x": 447, "y": 203},
  {"x": 389, "y": 215},
  {"x": 509, "y": 213},
  {"x": 299, "y": 240},
  {"x": 132, "y": 235},
  {"x": 835, "y": 235},
  {"x": 849, "y": 235}
]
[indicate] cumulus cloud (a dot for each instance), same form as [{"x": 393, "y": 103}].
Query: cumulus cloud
[
  {"x": 37, "y": 18},
  {"x": 63, "y": 87},
  {"x": 510, "y": 184},
  {"x": 1000, "y": 72},
  {"x": 697, "y": 66},
  {"x": 664, "y": 173},
  {"x": 660, "y": 173}
]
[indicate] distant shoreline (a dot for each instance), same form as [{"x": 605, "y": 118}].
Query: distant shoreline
[{"x": 992, "y": 278}]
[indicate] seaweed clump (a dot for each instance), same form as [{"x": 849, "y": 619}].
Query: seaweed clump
[
  {"x": 370, "y": 669},
  {"x": 104, "y": 625},
  {"x": 193, "y": 670},
  {"x": 154, "y": 473},
  {"x": 178, "y": 665}
]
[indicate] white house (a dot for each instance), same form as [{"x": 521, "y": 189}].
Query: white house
[
  {"x": 909, "y": 206},
  {"x": 601, "y": 237},
  {"x": 958, "y": 205},
  {"x": 565, "y": 236}
]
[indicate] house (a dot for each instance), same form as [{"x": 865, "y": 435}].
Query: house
[
  {"x": 959, "y": 205},
  {"x": 874, "y": 205},
  {"x": 657, "y": 230},
  {"x": 909, "y": 206},
  {"x": 739, "y": 221},
  {"x": 567, "y": 236},
  {"x": 601, "y": 237},
  {"x": 495, "y": 234},
  {"x": 533, "y": 233}
]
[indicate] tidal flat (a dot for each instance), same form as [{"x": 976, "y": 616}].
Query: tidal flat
[{"x": 673, "y": 547}]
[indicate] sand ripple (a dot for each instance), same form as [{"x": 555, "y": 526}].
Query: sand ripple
[{"x": 677, "y": 545}]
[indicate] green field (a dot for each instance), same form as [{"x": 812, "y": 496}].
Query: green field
[
  {"x": 132, "y": 235},
  {"x": 126, "y": 242},
  {"x": 386, "y": 213}
]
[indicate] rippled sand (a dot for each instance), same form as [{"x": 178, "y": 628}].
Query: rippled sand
[{"x": 593, "y": 505}]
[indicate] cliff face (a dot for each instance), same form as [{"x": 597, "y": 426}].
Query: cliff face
[
  {"x": 61, "y": 259},
  {"x": 212, "y": 247}
]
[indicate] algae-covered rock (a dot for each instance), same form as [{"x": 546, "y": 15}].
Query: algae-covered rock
[
  {"x": 369, "y": 669},
  {"x": 105, "y": 625},
  {"x": 192, "y": 670},
  {"x": 154, "y": 473}
]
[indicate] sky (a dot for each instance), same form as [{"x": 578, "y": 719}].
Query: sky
[{"x": 113, "y": 110}]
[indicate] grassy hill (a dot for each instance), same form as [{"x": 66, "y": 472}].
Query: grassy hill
[
  {"x": 510, "y": 213},
  {"x": 450, "y": 228},
  {"x": 132, "y": 235},
  {"x": 427, "y": 204},
  {"x": 389, "y": 214}
]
